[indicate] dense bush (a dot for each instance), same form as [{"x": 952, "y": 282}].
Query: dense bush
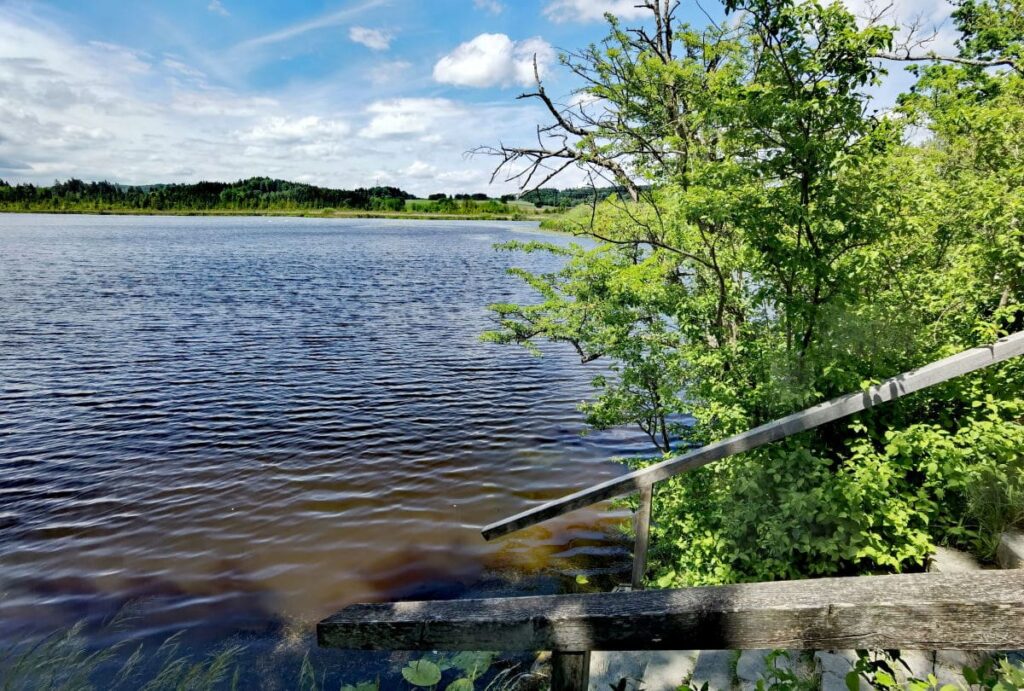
[{"x": 787, "y": 246}]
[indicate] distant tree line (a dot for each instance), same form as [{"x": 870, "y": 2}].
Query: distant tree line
[
  {"x": 267, "y": 194},
  {"x": 251, "y": 194},
  {"x": 569, "y": 198},
  {"x": 463, "y": 204},
  {"x": 477, "y": 197},
  {"x": 545, "y": 197}
]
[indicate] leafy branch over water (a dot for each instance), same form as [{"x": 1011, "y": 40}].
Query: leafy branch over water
[{"x": 782, "y": 243}]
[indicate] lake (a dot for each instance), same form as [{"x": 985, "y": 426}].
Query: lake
[{"x": 236, "y": 426}]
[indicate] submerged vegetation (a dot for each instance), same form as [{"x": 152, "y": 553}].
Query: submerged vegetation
[
  {"x": 782, "y": 243},
  {"x": 67, "y": 661},
  {"x": 64, "y": 661}
]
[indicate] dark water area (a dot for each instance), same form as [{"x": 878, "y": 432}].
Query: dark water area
[{"x": 237, "y": 426}]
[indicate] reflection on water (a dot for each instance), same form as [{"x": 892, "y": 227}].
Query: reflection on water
[{"x": 245, "y": 422}]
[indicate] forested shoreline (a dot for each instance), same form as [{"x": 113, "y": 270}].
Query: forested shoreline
[{"x": 251, "y": 196}]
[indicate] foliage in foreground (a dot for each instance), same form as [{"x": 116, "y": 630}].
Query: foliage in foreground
[
  {"x": 785, "y": 245},
  {"x": 65, "y": 661},
  {"x": 883, "y": 670},
  {"x": 879, "y": 671}
]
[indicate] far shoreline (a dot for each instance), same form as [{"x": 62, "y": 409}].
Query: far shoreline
[{"x": 284, "y": 213}]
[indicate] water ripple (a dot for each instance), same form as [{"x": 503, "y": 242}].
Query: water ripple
[{"x": 256, "y": 421}]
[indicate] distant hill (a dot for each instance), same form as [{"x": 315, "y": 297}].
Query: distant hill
[
  {"x": 270, "y": 195},
  {"x": 251, "y": 194}
]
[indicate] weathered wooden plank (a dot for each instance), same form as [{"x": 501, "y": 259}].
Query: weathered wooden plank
[
  {"x": 570, "y": 671},
  {"x": 642, "y": 528},
  {"x": 889, "y": 390},
  {"x": 1011, "y": 550},
  {"x": 978, "y": 611}
]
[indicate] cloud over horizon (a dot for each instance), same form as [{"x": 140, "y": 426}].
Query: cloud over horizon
[
  {"x": 318, "y": 91},
  {"x": 100, "y": 110},
  {"x": 491, "y": 60}
]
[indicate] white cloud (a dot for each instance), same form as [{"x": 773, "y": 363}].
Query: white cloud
[
  {"x": 220, "y": 103},
  {"x": 465, "y": 178},
  {"x": 286, "y": 138},
  {"x": 583, "y": 99},
  {"x": 130, "y": 60},
  {"x": 494, "y": 60},
  {"x": 405, "y": 117},
  {"x": 322, "y": 22},
  {"x": 388, "y": 72},
  {"x": 282, "y": 130},
  {"x": 216, "y": 7},
  {"x": 375, "y": 39},
  {"x": 492, "y": 6},
  {"x": 99, "y": 111},
  {"x": 420, "y": 170},
  {"x": 592, "y": 10},
  {"x": 181, "y": 68}
]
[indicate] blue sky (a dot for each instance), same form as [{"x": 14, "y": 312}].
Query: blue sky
[{"x": 335, "y": 92}]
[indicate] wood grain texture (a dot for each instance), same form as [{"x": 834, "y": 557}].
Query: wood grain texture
[
  {"x": 978, "y": 611},
  {"x": 570, "y": 671},
  {"x": 642, "y": 526},
  {"x": 1011, "y": 550},
  {"x": 889, "y": 390}
]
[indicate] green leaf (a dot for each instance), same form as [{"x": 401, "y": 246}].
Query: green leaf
[
  {"x": 970, "y": 675},
  {"x": 363, "y": 686},
  {"x": 474, "y": 663},
  {"x": 853, "y": 681},
  {"x": 461, "y": 685},
  {"x": 422, "y": 673}
]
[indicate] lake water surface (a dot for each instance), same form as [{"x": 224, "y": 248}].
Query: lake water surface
[{"x": 240, "y": 425}]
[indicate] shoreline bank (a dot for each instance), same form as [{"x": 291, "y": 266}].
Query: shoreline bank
[{"x": 411, "y": 216}]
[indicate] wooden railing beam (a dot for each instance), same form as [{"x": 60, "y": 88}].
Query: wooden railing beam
[
  {"x": 982, "y": 610},
  {"x": 889, "y": 390}
]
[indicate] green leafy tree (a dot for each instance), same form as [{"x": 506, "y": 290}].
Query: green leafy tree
[{"x": 782, "y": 244}]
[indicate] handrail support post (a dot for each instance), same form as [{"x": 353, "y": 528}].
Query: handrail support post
[
  {"x": 642, "y": 528},
  {"x": 570, "y": 671}
]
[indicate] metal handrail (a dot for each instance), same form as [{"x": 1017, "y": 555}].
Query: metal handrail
[{"x": 642, "y": 480}]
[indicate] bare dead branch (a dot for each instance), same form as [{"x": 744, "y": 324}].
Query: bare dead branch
[{"x": 934, "y": 57}]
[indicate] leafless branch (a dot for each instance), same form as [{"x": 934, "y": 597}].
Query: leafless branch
[{"x": 935, "y": 57}]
